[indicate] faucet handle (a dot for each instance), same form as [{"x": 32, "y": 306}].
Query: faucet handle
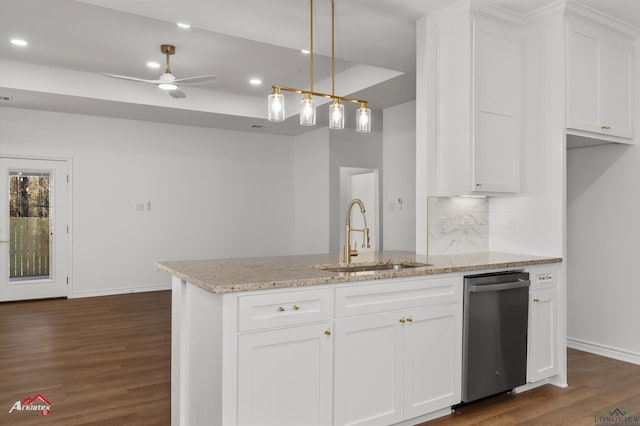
[
  {"x": 365, "y": 240},
  {"x": 354, "y": 250}
]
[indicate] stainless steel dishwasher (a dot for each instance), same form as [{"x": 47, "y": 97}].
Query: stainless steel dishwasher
[{"x": 494, "y": 346}]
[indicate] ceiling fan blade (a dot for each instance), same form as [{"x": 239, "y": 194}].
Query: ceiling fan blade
[
  {"x": 196, "y": 80},
  {"x": 126, "y": 77},
  {"x": 178, "y": 94}
]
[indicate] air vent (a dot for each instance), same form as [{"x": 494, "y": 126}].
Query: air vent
[{"x": 5, "y": 98}]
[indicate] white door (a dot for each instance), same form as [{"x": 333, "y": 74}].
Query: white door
[
  {"x": 368, "y": 370},
  {"x": 284, "y": 377},
  {"x": 34, "y": 219}
]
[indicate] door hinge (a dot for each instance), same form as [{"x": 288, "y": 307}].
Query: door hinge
[
  {"x": 67, "y": 229},
  {"x": 67, "y": 178},
  {"x": 67, "y": 280}
]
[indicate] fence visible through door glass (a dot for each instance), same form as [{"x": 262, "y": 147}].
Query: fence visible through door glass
[{"x": 29, "y": 225}]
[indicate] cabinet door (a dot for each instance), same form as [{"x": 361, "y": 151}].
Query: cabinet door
[
  {"x": 284, "y": 377},
  {"x": 432, "y": 359},
  {"x": 600, "y": 76},
  {"x": 496, "y": 108},
  {"x": 583, "y": 67},
  {"x": 368, "y": 370},
  {"x": 543, "y": 314},
  {"x": 616, "y": 87}
]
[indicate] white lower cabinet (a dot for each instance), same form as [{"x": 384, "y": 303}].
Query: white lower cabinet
[
  {"x": 368, "y": 353},
  {"x": 543, "y": 326},
  {"x": 397, "y": 365},
  {"x": 285, "y": 376}
]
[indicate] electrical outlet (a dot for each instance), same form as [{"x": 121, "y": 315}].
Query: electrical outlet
[{"x": 139, "y": 207}]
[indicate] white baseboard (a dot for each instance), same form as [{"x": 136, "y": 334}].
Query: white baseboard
[
  {"x": 112, "y": 291},
  {"x": 603, "y": 350}
]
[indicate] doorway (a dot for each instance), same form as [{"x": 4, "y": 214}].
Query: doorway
[
  {"x": 362, "y": 183},
  {"x": 34, "y": 228}
]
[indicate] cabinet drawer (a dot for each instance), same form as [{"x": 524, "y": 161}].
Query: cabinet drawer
[
  {"x": 397, "y": 295},
  {"x": 261, "y": 311}
]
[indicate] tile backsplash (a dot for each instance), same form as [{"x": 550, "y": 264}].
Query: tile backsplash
[{"x": 457, "y": 224}]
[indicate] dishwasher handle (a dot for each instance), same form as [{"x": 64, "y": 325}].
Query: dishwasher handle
[{"x": 498, "y": 287}]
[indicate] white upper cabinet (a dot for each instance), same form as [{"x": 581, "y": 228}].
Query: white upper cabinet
[
  {"x": 473, "y": 101},
  {"x": 497, "y": 78},
  {"x": 600, "y": 82}
]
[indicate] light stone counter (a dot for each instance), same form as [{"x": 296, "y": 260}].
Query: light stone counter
[{"x": 262, "y": 273}]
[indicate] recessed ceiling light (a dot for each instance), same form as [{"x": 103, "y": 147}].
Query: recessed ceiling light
[
  {"x": 152, "y": 64},
  {"x": 19, "y": 42},
  {"x": 184, "y": 25},
  {"x": 255, "y": 82},
  {"x": 305, "y": 51}
]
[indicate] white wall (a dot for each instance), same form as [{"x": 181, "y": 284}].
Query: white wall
[
  {"x": 399, "y": 177},
  {"x": 603, "y": 232},
  {"x": 311, "y": 192},
  {"x": 214, "y": 193}
]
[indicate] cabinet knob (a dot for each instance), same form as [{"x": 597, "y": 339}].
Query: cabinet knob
[
  {"x": 280, "y": 308},
  {"x": 327, "y": 332},
  {"x": 536, "y": 300},
  {"x": 402, "y": 320},
  {"x": 409, "y": 319},
  {"x": 605, "y": 127},
  {"x": 296, "y": 307}
]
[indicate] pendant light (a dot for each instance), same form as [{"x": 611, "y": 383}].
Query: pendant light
[{"x": 276, "y": 100}]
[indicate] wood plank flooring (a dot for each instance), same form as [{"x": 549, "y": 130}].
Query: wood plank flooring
[
  {"x": 106, "y": 361},
  {"x": 98, "y": 361},
  {"x": 596, "y": 385}
]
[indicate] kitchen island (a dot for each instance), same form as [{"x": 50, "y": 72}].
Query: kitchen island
[{"x": 292, "y": 340}]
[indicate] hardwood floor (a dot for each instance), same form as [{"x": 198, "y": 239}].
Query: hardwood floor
[
  {"x": 596, "y": 386},
  {"x": 106, "y": 361},
  {"x": 98, "y": 361}
]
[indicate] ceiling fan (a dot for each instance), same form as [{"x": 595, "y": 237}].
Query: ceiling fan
[{"x": 168, "y": 81}]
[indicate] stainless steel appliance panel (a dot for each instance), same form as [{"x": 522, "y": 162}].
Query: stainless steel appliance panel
[{"x": 496, "y": 309}]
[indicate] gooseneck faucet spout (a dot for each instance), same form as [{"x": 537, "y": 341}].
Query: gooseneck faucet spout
[{"x": 348, "y": 251}]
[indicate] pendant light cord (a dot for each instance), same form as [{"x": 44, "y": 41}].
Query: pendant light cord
[
  {"x": 311, "y": 44},
  {"x": 333, "y": 59}
]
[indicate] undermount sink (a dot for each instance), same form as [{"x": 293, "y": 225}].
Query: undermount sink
[{"x": 395, "y": 266}]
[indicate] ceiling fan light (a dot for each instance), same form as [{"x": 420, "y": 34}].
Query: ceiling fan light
[{"x": 167, "y": 86}]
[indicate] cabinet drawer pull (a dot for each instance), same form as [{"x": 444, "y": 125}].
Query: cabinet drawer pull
[
  {"x": 536, "y": 300},
  {"x": 605, "y": 127},
  {"x": 402, "y": 320},
  {"x": 409, "y": 319},
  {"x": 280, "y": 308},
  {"x": 327, "y": 332},
  {"x": 296, "y": 307}
]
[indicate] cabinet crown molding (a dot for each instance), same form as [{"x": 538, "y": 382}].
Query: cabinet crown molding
[{"x": 599, "y": 19}]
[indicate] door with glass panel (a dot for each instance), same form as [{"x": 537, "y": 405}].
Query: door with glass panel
[{"x": 34, "y": 219}]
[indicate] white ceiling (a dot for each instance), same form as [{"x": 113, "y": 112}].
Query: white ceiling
[{"x": 72, "y": 42}]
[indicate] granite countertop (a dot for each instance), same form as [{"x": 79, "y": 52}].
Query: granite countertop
[{"x": 262, "y": 273}]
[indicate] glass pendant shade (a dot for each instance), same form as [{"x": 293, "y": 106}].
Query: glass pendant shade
[
  {"x": 307, "y": 111},
  {"x": 275, "y": 110},
  {"x": 363, "y": 119},
  {"x": 336, "y": 115}
]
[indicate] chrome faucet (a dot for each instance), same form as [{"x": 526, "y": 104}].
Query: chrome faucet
[{"x": 348, "y": 251}]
